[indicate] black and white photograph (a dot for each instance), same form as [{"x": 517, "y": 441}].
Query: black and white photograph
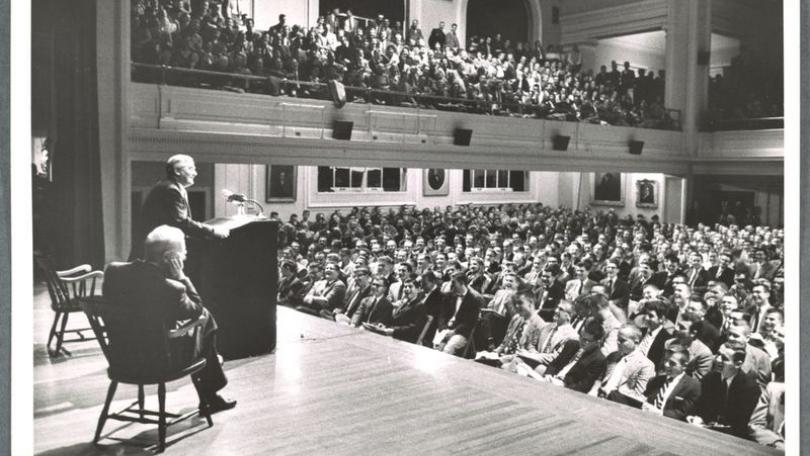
[{"x": 208, "y": 268}]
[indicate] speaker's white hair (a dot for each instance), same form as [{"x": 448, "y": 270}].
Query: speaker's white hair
[{"x": 174, "y": 161}]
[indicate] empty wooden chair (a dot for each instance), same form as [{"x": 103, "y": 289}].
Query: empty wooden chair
[{"x": 67, "y": 289}]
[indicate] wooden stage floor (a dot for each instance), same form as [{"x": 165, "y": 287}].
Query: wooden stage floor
[{"x": 340, "y": 391}]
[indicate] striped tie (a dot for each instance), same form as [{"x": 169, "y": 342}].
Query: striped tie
[{"x": 659, "y": 398}]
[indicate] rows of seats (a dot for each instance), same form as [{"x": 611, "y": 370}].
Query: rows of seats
[
  {"x": 381, "y": 63},
  {"x": 681, "y": 321}
]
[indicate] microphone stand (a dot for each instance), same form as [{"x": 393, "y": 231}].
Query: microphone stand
[{"x": 253, "y": 202}]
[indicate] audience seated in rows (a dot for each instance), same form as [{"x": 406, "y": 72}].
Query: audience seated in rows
[
  {"x": 489, "y": 75},
  {"x": 663, "y": 317}
]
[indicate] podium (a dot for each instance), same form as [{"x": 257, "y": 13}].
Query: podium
[{"x": 237, "y": 279}]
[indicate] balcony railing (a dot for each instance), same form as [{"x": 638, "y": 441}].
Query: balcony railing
[{"x": 279, "y": 85}]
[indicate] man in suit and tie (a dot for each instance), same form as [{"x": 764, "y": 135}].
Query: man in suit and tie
[
  {"x": 326, "y": 294},
  {"x": 700, "y": 356},
  {"x": 361, "y": 290},
  {"x": 496, "y": 314},
  {"x": 551, "y": 293},
  {"x": 581, "y": 284},
  {"x": 696, "y": 277},
  {"x": 437, "y": 37},
  {"x": 167, "y": 204},
  {"x": 728, "y": 396},
  {"x": 407, "y": 320},
  {"x": 375, "y": 308},
  {"x": 460, "y": 316},
  {"x": 290, "y": 287},
  {"x": 761, "y": 268},
  {"x": 401, "y": 272},
  {"x": 553, "y": 340},
  {"x": 722, "y": 272},
  {"x": 674, "y": 393},
  {"x": 756, "y": 360},
  {"x": 628, "y": 372},
  {"x": 618, "y": 291},
  {"x": 588, "y": 364},
  {"x": 654, "y": 337},
  {"x": 708, "y": 333},
  {"x": 760, "y": 304},
  {"x": 673, "y": 270},
  {"x": 476, "y": 278}
]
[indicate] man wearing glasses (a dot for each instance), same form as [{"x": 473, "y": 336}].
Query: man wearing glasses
[
  {"x": 375, "y": 309},
  {"x": 326, "y": 294}
]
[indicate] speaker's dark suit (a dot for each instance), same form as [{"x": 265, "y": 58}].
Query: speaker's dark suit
[
  {"x": 731, "y": 406},
  {"x": 165, "y": 205},
  {"x": 681, "y": 401},
  {"x": 142, "y": 285}
]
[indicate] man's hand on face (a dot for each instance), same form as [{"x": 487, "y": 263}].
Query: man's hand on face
[{"x": 174, "y": 268}]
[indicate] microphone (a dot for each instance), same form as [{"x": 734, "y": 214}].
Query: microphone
[
  {"x": 232, "y": 197},
  {"x": 241, "y": 199}
]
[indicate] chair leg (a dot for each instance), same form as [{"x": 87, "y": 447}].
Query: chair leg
[
  {"x": 61, "y": 335},
  {"x": 52, "y": 334},
  {"x": 204, "y": 409},
  {"x": 140, "y": 400},
  {"x": 105, "y": 410},
  {"x": 161, "y": 417}
]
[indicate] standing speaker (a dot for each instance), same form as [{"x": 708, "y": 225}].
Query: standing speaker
[
  {"x": 462, "y": 136},
  {"x": 636, "y": 147},
  {"x": 342, "y": 130},
  {"x": 560, "y": 142}
]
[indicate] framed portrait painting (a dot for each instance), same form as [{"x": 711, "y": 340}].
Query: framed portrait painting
[
  {"x": 281, "y": 184},
  {"x": 435, "y": 182},
  {"x": 607, "y": 189},
  {"x": 647, "y": 194}
]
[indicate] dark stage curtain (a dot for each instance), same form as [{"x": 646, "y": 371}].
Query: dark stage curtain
[{"x": 75, "y": 223}]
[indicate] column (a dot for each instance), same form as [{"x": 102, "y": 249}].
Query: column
[{"x": 688, "y": 34}]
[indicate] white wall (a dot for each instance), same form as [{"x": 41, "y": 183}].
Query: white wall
[
  {"x": 544, "y": 187},
  {"x": 301, "y": 12},
  {"x": 607, "y": 51}
]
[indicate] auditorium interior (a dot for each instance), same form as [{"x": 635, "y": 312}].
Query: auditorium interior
[{"x": 522, "y": 152}]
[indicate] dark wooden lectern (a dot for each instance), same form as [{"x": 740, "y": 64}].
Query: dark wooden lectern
[{"x": 237, "y": 279}]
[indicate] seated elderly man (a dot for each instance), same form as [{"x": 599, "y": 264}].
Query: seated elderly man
[
  {"x": 628, "y": 371},
  {"x": 158, "y": 282}
]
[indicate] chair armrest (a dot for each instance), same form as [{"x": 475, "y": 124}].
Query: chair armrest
[
  {"x": 79, "y": 278},
  {"x": 187, "y": 328},
  {"x": 73, "y": 271}
]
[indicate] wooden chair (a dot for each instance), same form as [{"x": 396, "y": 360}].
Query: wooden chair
[
  {"x": 68, "y": 290},
  {"x": 142, "y": 351}
]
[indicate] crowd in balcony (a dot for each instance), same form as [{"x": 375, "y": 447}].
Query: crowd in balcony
[
  {"x": 682, "y": 322},
  {"x": 746, "y": 89},
  {"x": 490, "y": 74}
]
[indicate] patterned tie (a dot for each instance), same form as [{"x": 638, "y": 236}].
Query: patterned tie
[
  {"x": 644, "y": 346},
  {"x": 659, "y": 398}
]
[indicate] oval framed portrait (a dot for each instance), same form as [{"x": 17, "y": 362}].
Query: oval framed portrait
[{"x": 435, "y": 182}]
